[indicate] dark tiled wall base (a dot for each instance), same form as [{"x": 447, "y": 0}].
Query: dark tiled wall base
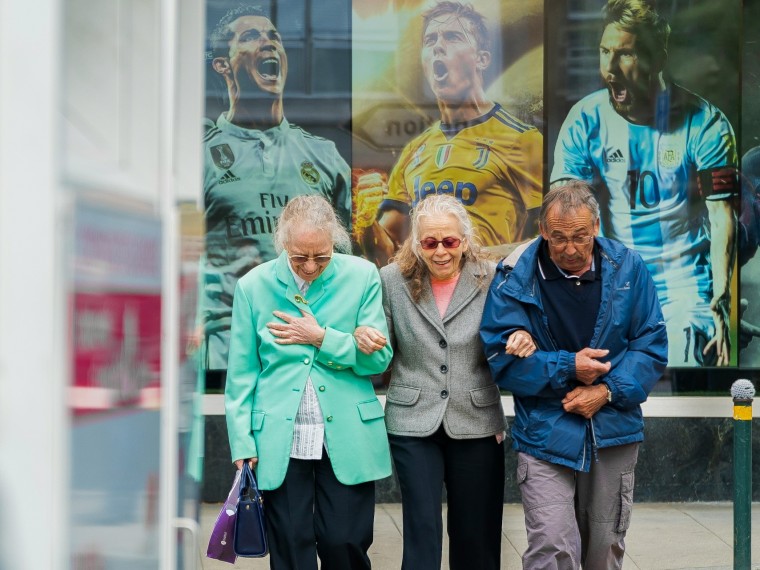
[{"x": 682, "y": 459}]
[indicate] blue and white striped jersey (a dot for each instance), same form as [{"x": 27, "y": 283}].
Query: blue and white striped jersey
[{"x": 652, "y": 183}]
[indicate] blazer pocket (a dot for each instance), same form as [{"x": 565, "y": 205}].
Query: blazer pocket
[
  {"x": 370, "y": 410},
  {"x": 257, "y": 420},
  {"x": 402, "y": 395},
  {"x": 488, "y": 396}
]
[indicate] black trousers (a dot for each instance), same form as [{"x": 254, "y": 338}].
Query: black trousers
[
  {"x": 473, "y": 472},
  {"x": 313, "y": 514}
]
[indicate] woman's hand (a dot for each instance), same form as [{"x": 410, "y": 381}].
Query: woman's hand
[
  {"x": 369, "y": 339},
  {"x": 520, "y": 344},
  {"x": 297, "y": 330},
  {"x": 253, "y": 461}
]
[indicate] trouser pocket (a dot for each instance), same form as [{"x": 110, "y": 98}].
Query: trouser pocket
[{"x": 626, "y": 501}]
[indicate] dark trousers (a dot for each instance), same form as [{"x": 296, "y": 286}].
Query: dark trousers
[
  {"x": 313, "y": 514},
  {"x": 473, "y": 472}
]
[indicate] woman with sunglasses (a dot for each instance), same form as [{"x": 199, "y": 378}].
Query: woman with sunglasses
[
  {"x": 443, "y": 411},
  {"x": 299, "y": 399}
]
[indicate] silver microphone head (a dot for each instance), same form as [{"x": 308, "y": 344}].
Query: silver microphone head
[{"x": 742, "y": 389}]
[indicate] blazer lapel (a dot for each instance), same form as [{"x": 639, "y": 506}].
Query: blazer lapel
[
  {"x": 320, "y": 284},
  {"x": 466, "y": 289},
  {"x": 426, "y": 305},
  {"x": 292, "y": 294},
  {"x": 316, "y": 290}
]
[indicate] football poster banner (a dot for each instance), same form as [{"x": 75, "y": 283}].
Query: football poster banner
[
  {"x": 447, "y": 99},
  {"x": 643, "y": 103},
  {"x": 377, "y": 104}
]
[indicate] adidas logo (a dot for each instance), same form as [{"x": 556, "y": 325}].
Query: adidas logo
[
  {"x": 228, "y": 177},
  {"x": 614, "y": 156}
]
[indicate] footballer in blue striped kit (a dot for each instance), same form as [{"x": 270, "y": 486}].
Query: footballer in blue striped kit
[{"x": 663, "y": 161}]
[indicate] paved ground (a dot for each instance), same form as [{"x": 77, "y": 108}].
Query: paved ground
[{"x": 663, "y": 536}]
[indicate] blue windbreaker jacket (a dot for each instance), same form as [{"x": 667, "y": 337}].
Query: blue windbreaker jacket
[{"x": 629, "y": 324}]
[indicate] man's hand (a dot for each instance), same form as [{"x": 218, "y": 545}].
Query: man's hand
[
  {"x": 588, "y": 368},
  {"x": 297, "y": 330},
  {"x": 585, "y": 400},
  {"x": 722, "y": 219},
  {"x": 521, "y": 344},
  {"x": 369, "y": 339},
  {"x": 253, "y": 461},
  {"x": 721, "y": 342}
]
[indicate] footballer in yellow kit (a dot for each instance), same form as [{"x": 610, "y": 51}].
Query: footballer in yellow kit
[
  {"x": 478, "y": 152},
  {"x": 492, "y": 164}
]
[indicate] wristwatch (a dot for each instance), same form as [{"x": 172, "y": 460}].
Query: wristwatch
[{"x": 609, "y": 394}]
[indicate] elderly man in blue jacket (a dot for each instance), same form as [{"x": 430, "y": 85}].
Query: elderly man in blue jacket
[{"x": 590, "y": 307}]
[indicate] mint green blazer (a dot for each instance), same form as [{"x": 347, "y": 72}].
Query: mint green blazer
[{"x": 265, "y": 380}]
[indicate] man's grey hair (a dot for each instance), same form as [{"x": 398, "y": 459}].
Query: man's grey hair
[
  {"x": 312, "y": 212},
  {"x": 569, "y": 195}
]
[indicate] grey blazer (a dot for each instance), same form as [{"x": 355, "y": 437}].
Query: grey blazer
[{"x": 439, "y": 371}]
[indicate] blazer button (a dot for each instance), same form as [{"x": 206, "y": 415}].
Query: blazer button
[
  {"x": 321, "y": 388},
  {"x": 444, "y": 368},
  {"x": 306, "y": 361},
  {"x": 444, "y": 394},
  {"x": 329, "y": 418},
  {"x": 442, "y": 343}
]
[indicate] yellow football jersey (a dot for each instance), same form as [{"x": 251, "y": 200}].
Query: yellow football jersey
[{"x": 493, "y": 165}]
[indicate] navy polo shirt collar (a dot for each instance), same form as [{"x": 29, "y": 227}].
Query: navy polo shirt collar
[{"x": 550, "y": 271}]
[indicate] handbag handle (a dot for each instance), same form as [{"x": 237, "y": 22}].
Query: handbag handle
[{"x": 248, "y": 484}]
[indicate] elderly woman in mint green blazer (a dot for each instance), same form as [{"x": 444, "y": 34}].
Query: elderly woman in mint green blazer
[{"x": 299, "y": 400}]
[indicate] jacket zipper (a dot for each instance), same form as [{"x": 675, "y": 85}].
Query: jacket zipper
[
  {"x": 606, "y": 316},
  {"x": 594, "y": 446}
]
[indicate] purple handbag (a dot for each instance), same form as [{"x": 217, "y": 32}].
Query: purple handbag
[{"x": 220, "y": 545}]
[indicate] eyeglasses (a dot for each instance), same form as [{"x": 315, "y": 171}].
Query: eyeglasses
[
  {"x": 562, "y": 241},
  {"x": 318, "y": 259},
  {"x": 448, "y": 243}
]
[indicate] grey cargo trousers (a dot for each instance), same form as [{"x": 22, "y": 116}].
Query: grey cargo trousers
[{"x": 576, "y": 519}]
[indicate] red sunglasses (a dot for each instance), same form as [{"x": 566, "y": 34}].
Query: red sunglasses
[{"x": 448, "y": 243}]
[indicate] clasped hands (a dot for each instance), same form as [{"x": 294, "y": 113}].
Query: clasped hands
[{"x": 587, "y": 399}]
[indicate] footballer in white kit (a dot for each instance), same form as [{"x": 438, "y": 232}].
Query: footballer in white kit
[
  {"x": 254, "y": 162},
  {"x": 249, "y": 176}
]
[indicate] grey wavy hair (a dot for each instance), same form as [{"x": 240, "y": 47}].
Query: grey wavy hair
[
  {"x": 409, "y": 257},
  {"x": 569, "y": 195},
  {"x": 310, "y": 212}
]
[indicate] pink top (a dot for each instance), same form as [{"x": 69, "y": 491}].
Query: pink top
[{"x": 443, "y": 291}]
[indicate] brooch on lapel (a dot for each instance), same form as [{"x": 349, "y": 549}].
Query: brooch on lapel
[{"x": 300, "y": 299}]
